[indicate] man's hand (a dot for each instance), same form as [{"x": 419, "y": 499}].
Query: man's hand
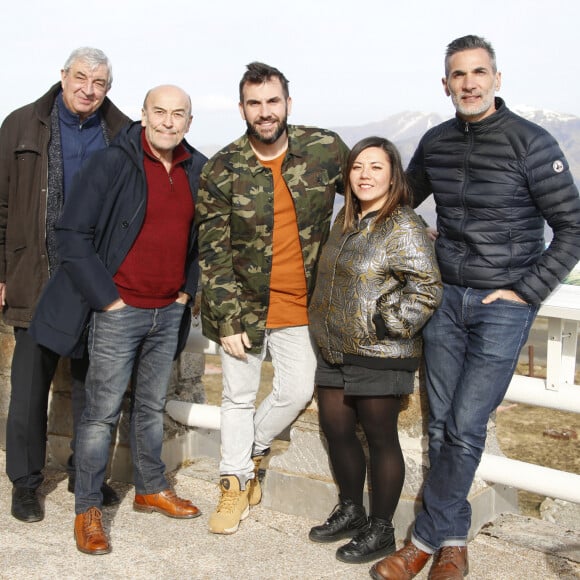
[
  {"x": 196, "y": 308},
  {"x": 117, "y": 305},
  {"x": 183, "y": 298},
  {"x": 432, "y": 233},
  {"x": 234, "y": 345},
  {"x": 2, "y": 294},
  {"x": 503, "y": 295}
]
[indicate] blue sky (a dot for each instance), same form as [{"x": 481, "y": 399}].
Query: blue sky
[{"x": 349, "y": 62}]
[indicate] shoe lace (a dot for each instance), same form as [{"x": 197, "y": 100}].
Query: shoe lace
[
  {"x": 369, "y": 531},
  {"x": 363, "y": 535},
  {"x": 334, "y": 514},
  {"x": 228, "y": 500},
  {"x": 409, "y": 552},
  {"x": 175, "y": 499},
  {"x": 337, "y": 515},
  {"x": 447, "y": 554},
  {"x": 93, "y": 525}
]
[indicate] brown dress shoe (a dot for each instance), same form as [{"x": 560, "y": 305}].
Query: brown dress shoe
[
  {"x": 404, "y": 564},
  {"x": 89, "y": 533},
  {"x": 450, "y": 563},
  {"x": 167, "y": 503}
]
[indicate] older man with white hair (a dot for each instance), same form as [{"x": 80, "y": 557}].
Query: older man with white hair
[{"x": 42, "y": 146}]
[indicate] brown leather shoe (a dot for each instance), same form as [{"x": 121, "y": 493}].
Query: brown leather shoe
[
  {"x": 89, "y": 533},
  {"x": 450, "y": 563},
  {"x": 404, "y": 564},
  {"x": 167, "y": 503}
]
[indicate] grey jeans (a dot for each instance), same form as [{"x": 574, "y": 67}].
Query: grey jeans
[{"x": 245, "y": 430}]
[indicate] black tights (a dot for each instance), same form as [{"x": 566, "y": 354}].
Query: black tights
[{"x": 378, "y": 417}]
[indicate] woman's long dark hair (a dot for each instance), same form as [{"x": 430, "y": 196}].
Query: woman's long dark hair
[{"x": 399, "y": 192}]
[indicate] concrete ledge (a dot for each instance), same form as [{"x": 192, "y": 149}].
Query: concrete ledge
[
  {"x": 314, "y": 498},
  {"x": 299, "y": 482},
  {"x": 177, "y": 450}
]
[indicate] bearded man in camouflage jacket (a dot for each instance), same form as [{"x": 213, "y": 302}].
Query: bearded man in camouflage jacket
[{"x": 264, "y": 209}]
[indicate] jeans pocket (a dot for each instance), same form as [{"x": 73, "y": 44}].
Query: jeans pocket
[{"x": 514, "y": 302}]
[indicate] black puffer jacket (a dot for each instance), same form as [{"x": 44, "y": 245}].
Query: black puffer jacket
[{"x": 494, "y": 183}]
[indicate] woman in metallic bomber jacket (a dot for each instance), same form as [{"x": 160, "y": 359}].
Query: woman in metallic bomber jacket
[{"x": 377, "y": 285}]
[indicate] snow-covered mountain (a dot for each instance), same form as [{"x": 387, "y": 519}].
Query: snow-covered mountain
[{"x": 406, "y": 128}]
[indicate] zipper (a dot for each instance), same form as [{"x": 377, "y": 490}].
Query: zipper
[{"x": 469, "y": 136}]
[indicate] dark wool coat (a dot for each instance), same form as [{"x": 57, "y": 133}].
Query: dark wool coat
[
  {"x": 24, "y": 140},
  {"x": 101, "y": 220}
]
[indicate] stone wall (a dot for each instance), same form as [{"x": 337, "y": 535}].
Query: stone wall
[{"x": 185, "y": 385}]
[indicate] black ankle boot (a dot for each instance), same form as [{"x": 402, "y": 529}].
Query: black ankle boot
[
  {"x": 345, "y": 521},
  {"x": 375, "y": 541}
]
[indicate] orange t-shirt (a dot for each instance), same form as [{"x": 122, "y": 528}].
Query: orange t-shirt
[{"x": 288, "y": 293}]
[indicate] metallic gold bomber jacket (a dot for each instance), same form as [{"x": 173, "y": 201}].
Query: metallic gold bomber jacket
[
  {"x": 387, "y": 268},
  {"x": 235, "y": 215}
]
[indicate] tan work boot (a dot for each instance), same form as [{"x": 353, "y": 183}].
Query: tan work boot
[
  {"x": 89, "y": 533},
  {"x": 232, "y": 508},
  {"x": 254, "y": 487}
]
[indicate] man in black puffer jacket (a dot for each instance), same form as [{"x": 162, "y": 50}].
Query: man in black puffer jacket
[{"x": 496, "y": 179}]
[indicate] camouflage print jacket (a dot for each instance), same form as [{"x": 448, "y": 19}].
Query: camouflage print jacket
[
  {"x": 386, "y": 270},
  {"x": 235, "y": 215}
]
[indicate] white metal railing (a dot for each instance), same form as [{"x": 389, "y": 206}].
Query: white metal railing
[{"x": 556, "y": 391}]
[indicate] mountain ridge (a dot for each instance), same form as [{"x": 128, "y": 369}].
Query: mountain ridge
[{"x": 406, "y": 128}]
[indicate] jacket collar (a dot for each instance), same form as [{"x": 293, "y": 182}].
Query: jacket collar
[
  {"x": 130, "y": 139},
  {"x": 44, "y": 105},
  {"x": 243, "y": 148},
  {"x": 497, "y": 118},
  {"x": 72, "y": 119}
]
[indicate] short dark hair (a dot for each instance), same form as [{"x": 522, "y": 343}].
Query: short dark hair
[
  {"x": 258, "y": 73},
  {"x": 399, "y": 192},
  {"x": 469, "y": 42}
]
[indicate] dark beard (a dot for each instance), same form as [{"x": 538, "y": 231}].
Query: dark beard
[{"x": 253, "y": 133}]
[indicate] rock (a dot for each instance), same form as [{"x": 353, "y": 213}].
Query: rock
[
  {"x": 562, "y": 433},
  {"x": 564, "y": 513}
]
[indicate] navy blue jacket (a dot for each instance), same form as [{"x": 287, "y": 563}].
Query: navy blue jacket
[
  {"x": 100, "y": 221},
  {"x": 495, "y": 183}
]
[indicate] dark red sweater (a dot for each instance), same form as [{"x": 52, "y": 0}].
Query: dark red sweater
[{"x": 153, "y": 271}]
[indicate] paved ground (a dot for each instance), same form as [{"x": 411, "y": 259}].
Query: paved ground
[{"x": 268, "y": 545}]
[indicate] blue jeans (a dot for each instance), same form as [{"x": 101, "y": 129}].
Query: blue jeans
[
  {"x": 471, "y": 351},
  {"x": 247, "y": 431},
  {"x": 129, "y": 343}
]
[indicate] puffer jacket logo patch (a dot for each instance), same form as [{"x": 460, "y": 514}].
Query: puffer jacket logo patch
[{"x": 558, "y": 166}]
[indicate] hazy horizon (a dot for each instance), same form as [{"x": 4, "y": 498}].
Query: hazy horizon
[{"x": 349, "y": 63}]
